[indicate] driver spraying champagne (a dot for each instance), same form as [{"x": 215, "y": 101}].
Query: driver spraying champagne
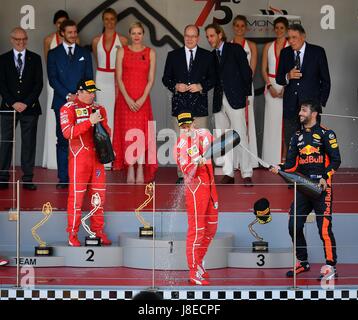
[
  {"x": 200, "y": 194},
  {"x": 313, "y": 152}
]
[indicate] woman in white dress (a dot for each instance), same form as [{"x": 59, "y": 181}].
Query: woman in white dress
[
  {"x": 50, "y": 42},
  {"x": 105, "y": 47},
  {"x": 273, "y": 145},
  {"x": 240, "y": 27}
]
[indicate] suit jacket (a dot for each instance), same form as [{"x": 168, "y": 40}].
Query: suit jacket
[
  {"x": 64, "y": 74},
  {"x": 315, "y": 82},
  {"x": 26, "y": 89},
  {"x": 176, "y": 71},
  {"x": 234, "y": 77}
]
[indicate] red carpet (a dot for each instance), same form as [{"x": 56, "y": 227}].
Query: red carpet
[{"x": 233, "y": 198}]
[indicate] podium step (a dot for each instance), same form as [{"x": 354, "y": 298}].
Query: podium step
[
  {"x": 170, "y": 251},
  {"x": 275, "y": 258},
  {"x": 105, "y": 256}
]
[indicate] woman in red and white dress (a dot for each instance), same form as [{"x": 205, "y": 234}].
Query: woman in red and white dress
[
  {"x": 240, "y": 27},
  {"x": 105, "y": 47},
  {"x": 273, "y": 146},
  {"x": 51, "y": 42}
]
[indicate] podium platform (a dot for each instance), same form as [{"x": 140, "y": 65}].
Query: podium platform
[
  {"x": 104, "y": 256},
  {"x": 170, "y": 251},
  {"x": 274, "y": 258}
]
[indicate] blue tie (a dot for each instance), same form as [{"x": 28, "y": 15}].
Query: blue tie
[
  {"x": 298, "y": 61},
  {"x": 191, "y": 61},
  {"x": 19, "y": 64}
]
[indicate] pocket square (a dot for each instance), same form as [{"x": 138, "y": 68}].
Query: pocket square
[{"x": 81, "y": 59}]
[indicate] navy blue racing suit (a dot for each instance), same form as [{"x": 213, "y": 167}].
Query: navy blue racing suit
[{"x": 314, "y": 152}]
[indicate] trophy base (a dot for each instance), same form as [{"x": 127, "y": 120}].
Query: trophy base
[
  {"x": 92, "y": 242},
  {"x": 43, "y": 251},
  {"x": 260, "y": 246},
  {"x": 146, "y": 232}
]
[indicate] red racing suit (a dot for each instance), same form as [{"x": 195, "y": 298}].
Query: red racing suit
[
  {"x": 200, "y": 194},
  {"x": 83, "y": 166}
]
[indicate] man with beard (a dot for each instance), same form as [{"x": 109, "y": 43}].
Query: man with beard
[
  {"x": 67, "y": 64},
  {"x": 313, "y": 152}
]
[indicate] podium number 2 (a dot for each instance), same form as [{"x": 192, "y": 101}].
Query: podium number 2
[
  {"x": 261, "y": 261},
  {"x": 91, "y": 254}
]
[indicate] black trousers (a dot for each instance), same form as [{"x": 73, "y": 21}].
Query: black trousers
[
  {"x": 323, "y": 209},
  {"x": 28, "y": 124},
  {"x": 61, "y": 151}
]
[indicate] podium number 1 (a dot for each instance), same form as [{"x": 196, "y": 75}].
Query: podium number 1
[
  {"x": 261, "y": 261},
  {"x": 91, "y": 254}
]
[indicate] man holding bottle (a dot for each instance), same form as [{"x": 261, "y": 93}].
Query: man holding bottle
[{"x": 77, "y": 119}]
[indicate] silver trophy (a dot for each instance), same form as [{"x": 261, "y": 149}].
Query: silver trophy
[{"x": 92, "y": 240}]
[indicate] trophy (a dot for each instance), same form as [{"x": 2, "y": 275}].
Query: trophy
[
  {"x": 263, "y": 216},
  {"x": 42, "y": 249},
  {"x": 92, "y": 240},
  {"x": 147, "y": 230}
]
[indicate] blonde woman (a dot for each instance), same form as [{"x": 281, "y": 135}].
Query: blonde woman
[{"x": 133, "y": 140}]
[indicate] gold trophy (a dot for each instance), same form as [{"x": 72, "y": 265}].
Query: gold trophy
[
  {"x": 42, "y": 249},
  {"x": 92, "y": 240},
  {"x": 263, "y": 216},
  {"x": 147, "y": 230}
]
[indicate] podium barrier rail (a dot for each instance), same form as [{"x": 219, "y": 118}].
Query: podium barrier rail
[{"x": 170, "y": 231}]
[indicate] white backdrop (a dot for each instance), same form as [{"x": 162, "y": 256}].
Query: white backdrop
[{"x": 329, "y": 23}]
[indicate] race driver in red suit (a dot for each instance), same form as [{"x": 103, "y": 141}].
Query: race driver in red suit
[
  {"x": 77, "y": 121},
  {"x": 200, "y": 194}
]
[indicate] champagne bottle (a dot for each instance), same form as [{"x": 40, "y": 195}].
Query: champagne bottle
[
  {"x": 102, "y": 143},
  {"x": 222, "y": 145},
  {"x": 304, "y": 184}
]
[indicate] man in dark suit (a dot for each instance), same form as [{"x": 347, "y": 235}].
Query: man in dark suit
[
  {"x": 189, "y": 75},
  {"x": 233, "y": 86},
  {"x": 67, "y": 64},
  {"x": 303, "y": 70},
  {"x": 21, "y": 82}
]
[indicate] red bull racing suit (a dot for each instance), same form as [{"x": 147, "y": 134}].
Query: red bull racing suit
[
  {"x": 200, "y": 194},
  {"x": 314, "y": 152},
  {"x": 83, "y": 166}
]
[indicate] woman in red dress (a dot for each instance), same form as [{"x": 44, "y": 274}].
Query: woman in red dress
[{"x": 134, "y": 135}]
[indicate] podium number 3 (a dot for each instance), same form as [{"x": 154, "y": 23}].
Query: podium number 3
[
  {"x": 90, "y": 255},
  {"x": 261, "y": 261}
]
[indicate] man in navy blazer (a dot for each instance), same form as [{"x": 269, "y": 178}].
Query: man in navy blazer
[
  {"x": 21, "y": 82},
  {"x": 67, "y": 64},
  {"x": 189, "y": 74},
  {"x": 233, "y": 86},
  {"x": 303, "y": 70}
]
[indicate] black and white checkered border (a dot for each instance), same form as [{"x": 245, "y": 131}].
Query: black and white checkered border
[{"x": 93, "y": 294}]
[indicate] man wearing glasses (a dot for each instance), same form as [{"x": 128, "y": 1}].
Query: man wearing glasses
[{"x": 20, "y": 87}]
